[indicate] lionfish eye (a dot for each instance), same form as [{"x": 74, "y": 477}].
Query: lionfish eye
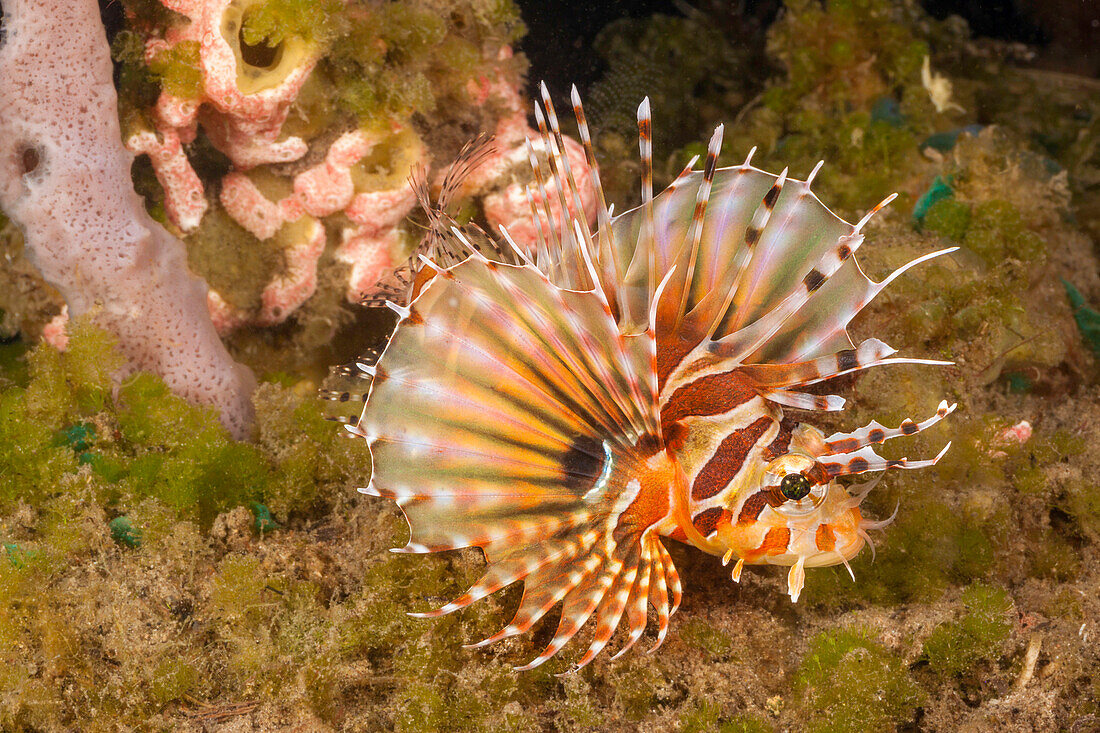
[{"x": 795, "y": 486}]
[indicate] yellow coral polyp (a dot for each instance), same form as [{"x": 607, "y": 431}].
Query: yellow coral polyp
[
  {"x": 388, "y": 164},
  {"x": 261, "y": 67}
]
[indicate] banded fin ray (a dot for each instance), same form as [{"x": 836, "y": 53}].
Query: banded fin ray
[
  {"x": 764, "y": 274},
  {"x": 401, "y": 285},
  {"x": 504, "y": 415}
]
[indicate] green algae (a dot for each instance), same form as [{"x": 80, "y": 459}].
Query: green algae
[
  {"x": 404, "y": 57},
  {"x": 178, "y": 70},
  {"x": 138, "y": 85},
  {"x": 842, "y": 61},
  {"x": 706, "y": 716},
  {"x": 271, "y": 22},
  {"x": 233, "y": 261},
  {"x": 958, "y": 646},
  {"x": 852, "y": 683},
  {"x": 938, "y": 192},
  {"x": 947, "y": 217},
  {"x": 702, "y": 634},
  {"x": 144, "y": 442},
  {"x": 638, "y": 687},
  {"x": 926, "y": 549}
]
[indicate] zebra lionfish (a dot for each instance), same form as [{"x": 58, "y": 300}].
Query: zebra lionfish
[{"x": 566, "y": 409}]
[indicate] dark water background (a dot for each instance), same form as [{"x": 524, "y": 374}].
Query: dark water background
[{"x": 559, "y": 43}]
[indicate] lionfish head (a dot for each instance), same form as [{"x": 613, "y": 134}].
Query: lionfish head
[{"x": 799, "y": 514}]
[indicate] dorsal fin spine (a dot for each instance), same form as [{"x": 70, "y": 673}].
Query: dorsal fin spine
[
  {"x": 645, "y": 151},
  {"x": 572, "y": 270},
  {"x": 753, "y": 233},
  {"x": 542, "y": 252},
  {"x": 565, "y": 175},
  {"x": 554, "y": 240},
  {"x": 612, "y": 268},
  {"x": 695, "y": 233},
  {"x": 616, "y": 347}
]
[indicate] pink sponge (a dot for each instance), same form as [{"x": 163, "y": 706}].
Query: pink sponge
[{"x": 65, "y": 179}]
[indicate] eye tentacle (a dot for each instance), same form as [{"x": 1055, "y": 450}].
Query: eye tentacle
[
  {"x": 859, "y": 492},
  {"x": 874, "y": 433},
  {"x": 865, "y": 460}
]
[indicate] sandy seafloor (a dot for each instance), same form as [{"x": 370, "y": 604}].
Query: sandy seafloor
[{"x": 980, "y": 612}]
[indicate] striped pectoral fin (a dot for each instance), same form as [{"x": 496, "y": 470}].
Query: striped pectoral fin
[
  {"x": 505, "y": 414},
  {"x": 498, "y": 575},
  {"x": 637, "y": 603},
  {"x": 601, "y": 586},
  {"x": 658, "y": 595},
  {"x": 611, "y": 608},
  {"x": 579, "y": 605},
  {"x": 542, "y": 591}
]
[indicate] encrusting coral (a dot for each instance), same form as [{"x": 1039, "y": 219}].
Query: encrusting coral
[
  {"x": 282, "y": 183},
  {"x": 65, "y": 179},
  {"x": 321, "y": 111}
]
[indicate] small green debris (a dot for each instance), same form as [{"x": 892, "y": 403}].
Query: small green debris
[
  {"x": 79, "y": 437},
  {"x": 124, "y": 532},
  {"x": 938, "y": 191},
  {"x": 1088, "y": 319},
  {"x": 17, "y": 556},
  {"x": 264, "y": 521},
  {"x": 887, "y": 109},
  {"x": 1018, "y": 382},
  {"x": 944, "y": 142}
]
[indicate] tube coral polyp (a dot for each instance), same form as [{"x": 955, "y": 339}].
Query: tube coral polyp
[
  {"x": 242, "y": 107},
  {"x": 323, "y": 190},
  {"x": 184, "y": 201}
]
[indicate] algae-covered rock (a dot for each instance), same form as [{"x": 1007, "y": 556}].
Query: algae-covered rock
[
  {"x": 957, "y": 647},
  {"x": 851, "y": 683}
]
